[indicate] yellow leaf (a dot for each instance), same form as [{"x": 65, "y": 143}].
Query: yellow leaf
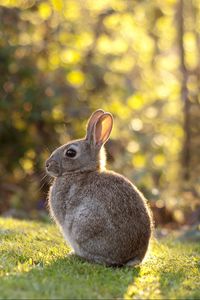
[
  {"x": 124, "y": 64},
  {"x": 191, "y": 50},
  {"x": 18, "y": 121},
  {"x": 135, "y": 101},
  {"x": 30, "y": 153},
  {"x": 159, "y": 160},
  {"x": 138, "y": 161},
  {"x": 107, "y": 45},
  {"x": 44, "y": 10},
  {"x": 76, "y": 77},
  {"x": 71, "y": 10},
  {"x": 54, "y": 60},
  {"x": 57, "y": 4},
  {"x": 70, "y": 56},
  {"x": 57, "y": 113},
  {"x": 27, "y": 164}
]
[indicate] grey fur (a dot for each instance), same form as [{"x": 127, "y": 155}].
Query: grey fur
[{"x": 101, "y": 214}]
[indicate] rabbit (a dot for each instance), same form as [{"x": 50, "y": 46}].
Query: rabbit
[{"x": 101, "y": 214}]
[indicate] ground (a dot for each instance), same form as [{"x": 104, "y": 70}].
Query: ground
[{"x": 34, "y": 263}]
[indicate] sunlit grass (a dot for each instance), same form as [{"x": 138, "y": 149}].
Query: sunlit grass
[
  {"x": 171, "y": 272},
  {"x": 34, "y": 263}
]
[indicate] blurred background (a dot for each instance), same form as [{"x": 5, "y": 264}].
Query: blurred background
[{"x": 140, "y": 60}]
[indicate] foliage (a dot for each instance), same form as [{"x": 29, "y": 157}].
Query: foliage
[
  {"x": 45, "y": 271},
  {"x": 63, "y": 59}
]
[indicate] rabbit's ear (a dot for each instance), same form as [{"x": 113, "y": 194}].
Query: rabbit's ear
[
  {"x": 92, "y": 121},
  {"x": 103, "y": 129}
]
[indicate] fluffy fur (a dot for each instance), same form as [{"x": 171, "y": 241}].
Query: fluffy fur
[{"x": 101, "y": 214}]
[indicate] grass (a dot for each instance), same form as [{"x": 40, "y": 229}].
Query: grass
[{"x": 34, "y": 264}]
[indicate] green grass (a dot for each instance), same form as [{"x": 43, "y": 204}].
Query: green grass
[{"x": 34, "y": 263}]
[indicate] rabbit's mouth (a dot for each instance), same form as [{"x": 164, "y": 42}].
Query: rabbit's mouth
[
  {"x": 53, "y": 169},
  {"x": 53, "y": 173}
]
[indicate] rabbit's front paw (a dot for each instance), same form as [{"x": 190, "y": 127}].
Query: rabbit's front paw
[{"x": 133, "y": 262}]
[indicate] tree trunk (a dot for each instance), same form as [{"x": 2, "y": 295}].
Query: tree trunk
[{"x": 186, "y": 154}]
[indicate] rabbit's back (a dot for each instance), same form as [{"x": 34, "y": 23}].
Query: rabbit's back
[
  {"x": 126, "y": 207},
  {"x": 120, "y": 198}
]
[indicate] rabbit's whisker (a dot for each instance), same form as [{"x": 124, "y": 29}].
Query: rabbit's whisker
[{"x": 45, "y": 181}]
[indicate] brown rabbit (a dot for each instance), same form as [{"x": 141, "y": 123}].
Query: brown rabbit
[{"x": 101, "y": 214}]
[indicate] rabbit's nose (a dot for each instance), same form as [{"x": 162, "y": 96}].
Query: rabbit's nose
[
  {"x": 47, "y": 164},
  {"x": 51, "y": 163}
]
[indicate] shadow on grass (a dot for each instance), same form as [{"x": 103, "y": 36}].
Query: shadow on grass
[
  {"x": 170, "y": 280},
  {"x": 171, "y": 284},
  {"x": 68, "y": 277},
  {"x": 8, "y": 234}
]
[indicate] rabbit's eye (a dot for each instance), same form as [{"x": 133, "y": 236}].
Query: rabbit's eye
[{"x": 70, "y": 153}]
